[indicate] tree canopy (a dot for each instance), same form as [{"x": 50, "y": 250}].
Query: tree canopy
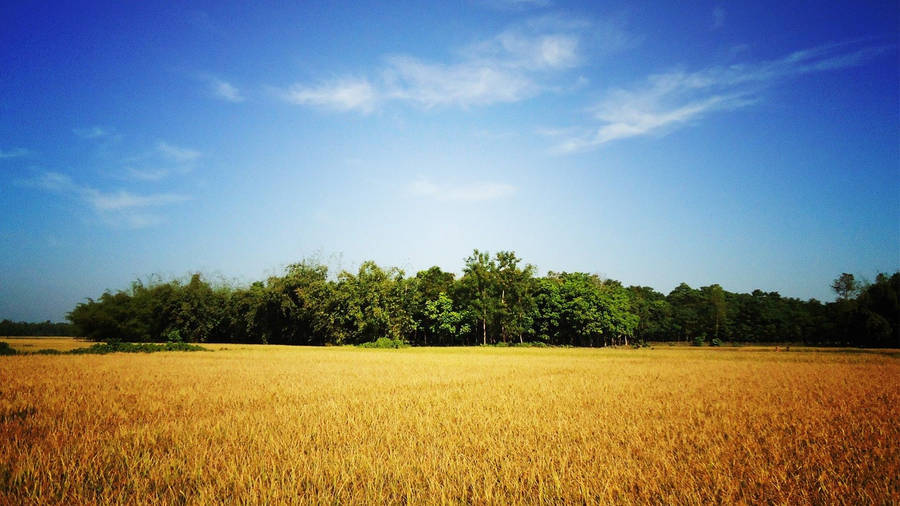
[{"x": 497, "y": 300}]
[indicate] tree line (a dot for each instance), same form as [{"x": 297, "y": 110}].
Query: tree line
[
  {"x": 46, "y": 328},
  {"x": 497, "y": 300}
]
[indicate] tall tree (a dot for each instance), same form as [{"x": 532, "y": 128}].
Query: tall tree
[
  {"x": 478, "y": 276},
  {"x": 845, "y": 286},
  {"x": 687, "y": 308},
  {"x": 717, "y": 308},
  {"x": 516, "y": 300}
]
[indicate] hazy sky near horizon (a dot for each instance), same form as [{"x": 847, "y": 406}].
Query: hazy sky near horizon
[{"x": 750, "y": 144}]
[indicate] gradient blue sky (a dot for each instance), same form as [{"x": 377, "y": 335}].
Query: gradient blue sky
[{"x": 751, "y": 144}]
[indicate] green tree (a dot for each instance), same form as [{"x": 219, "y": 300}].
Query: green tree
[
  {"x": 444, "y": 322},
  {"x": 653, "y": 313},
  {"x": 845, "y": 286},
  {"x": 478, "y": 282},
  {"x": 372, "y": 303},
  {"x": 717, "y": 308},
  {"x": 687, "y": 309},
  {"x": 425, "y": 287},
  {"x": 516, "y": 287}
]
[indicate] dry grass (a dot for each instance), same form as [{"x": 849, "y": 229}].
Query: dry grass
[
  {"x": 32, "y": 344},
  {"x": 253, "y": 424}
]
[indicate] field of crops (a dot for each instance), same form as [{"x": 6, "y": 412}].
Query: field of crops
[
  {"x": 254, "y": 424},
  {"x": 33, "y": 344}
]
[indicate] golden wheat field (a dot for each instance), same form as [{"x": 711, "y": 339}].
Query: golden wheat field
[
  {"x": 32, "y": 344},
  {"x": 255, "y": 424}
]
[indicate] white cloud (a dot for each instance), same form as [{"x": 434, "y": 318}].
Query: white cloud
[
  {"x": 95, "y": 132},
  {"x": 666, "y": 101},
  {"x": 177, "y": 154},
  {"x": 147, "y": 174},
  {"x": 344, "y": 94},
  {"x": 520, "y": 62},
  {"x": 114, "y": 201},
  {"x": 478, "y": 191},
  {"x": 423, "y": 187},
  {"x": 532, "y": 47},
  {"x": 158, "y": 163},
  {"x": 119, "y": 207},
  {"x": 464, "y": 84},
  {"x": 718, "y": 17},
  {"x": 56, "y": 182},
  {"x": 515, "y": 5},
  {"x": 225, "y": 91},
  {"x": 13, "y": 153},
  {"x": 135, "y": 220}
]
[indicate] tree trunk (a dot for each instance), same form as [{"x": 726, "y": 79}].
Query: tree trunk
[{"x": 502, "y": 323}]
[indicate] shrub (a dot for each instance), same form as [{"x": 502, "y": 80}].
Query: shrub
[
  {"x": 698, "y": 341},
  {"x": 120, "y": 347},
  {"x": 6, "y": 349},
  {"x": 174, "y": 336},
  {"x": 716, "y": 342},
  {"x": 385, "y": 342}
]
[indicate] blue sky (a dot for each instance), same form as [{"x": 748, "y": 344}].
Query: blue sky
[{"x": 751, "y": 144}]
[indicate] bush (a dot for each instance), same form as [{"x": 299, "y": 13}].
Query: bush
[
  {"x": 716, "y": 342},
  {"x": 698, "y": 341},
  {"x": 6, "y": 349},
  {"x": 385, "y": 342},
  {"x": 119, "y": 347},
  {"x": 174, "y": 336}
]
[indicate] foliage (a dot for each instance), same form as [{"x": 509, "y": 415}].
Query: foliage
[
  {"x": 384, "y": 342},
  {"x": 174, "y": 336},
  {"x": 715, "y": 342},
  {"x": 498, "y": 299},
  {"x": 6, "y": 349},
  {"x": 443, "y": 322},
  {"x": 104, "y": 348},
  {"x": 120, "y": 347},
  {"x": 47, "y": 328}
]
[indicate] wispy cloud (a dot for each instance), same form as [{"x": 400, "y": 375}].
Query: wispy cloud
[
  {"x": 147, "y": 174},
  {"x": 518, "y": 63},
  {"x": 160, "y": 162},
  {"x": 718, "y": 15},
  {"x": 225, "y": 91},
  {"x": 122, "y": 200},
  {"x": 515, "y": 5},
  {"x": 478, "y": 191},
  {"x": 177, "y": 154},
  {"x": 13, "y": 153},
  {"x": 120, "y": 207},
  {"x": 95, "y": 133},
  {"x": 345, "y": 94},
  {"x": 466, "y": 84},
  {"x": 673, "y": 99}
]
